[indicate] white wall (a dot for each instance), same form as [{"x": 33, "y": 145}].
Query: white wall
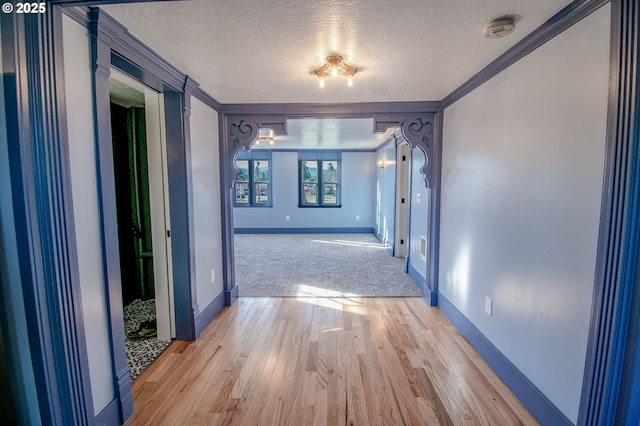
[
  {"x": 522, "y": 178},
  {"x": 386, "y": 194},
  {"x": 82, "y": 155},
  {"x": 205, "y": 162}
]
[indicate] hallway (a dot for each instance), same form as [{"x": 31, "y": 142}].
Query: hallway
[{"x": 325, "y": 361}]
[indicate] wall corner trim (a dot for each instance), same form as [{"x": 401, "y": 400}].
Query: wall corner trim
[
  {"x": 535, "y": 401},
  {"x": 558, "y": 23}
]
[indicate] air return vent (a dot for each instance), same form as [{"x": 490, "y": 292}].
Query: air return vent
[{"x": 423, "y": 249}]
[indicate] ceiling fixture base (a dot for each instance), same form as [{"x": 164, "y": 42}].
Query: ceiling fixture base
[{"x": 499, "y": 28}]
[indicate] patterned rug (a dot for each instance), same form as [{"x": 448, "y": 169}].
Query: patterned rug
[
  {"x": 319, "y": 265},
  {"x": 141, "y": 352}
]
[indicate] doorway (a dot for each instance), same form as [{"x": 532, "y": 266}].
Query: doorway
[{"x": 142, "y": 217}]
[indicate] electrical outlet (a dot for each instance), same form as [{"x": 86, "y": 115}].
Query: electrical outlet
[
  {"x": 357, "y": 217},
  {"x": 212, "y": 276},
  {"x": 287, "y": 218},
  {"x": 488, "y": 305}
]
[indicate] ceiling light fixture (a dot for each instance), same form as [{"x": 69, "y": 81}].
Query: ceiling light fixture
[
  {"x": 266, "y": 135},
  {"x": 334, "y": 67}
]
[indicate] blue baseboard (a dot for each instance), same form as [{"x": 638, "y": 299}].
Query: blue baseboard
[
  {"x": 535, "y": 401},
  {"x": 428, "y": 294},
  {"x": 303, "y": 231},
  {"x": 418, "y": 278},
  {"x": 230, "y": 296},
  {"x": 110, "y": 415},
  {"x": 209, "y": 313}
]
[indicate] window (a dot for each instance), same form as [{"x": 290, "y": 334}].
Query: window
[
  {"x": 253, "y": 184},
  {"x": 320, "y": 181}
]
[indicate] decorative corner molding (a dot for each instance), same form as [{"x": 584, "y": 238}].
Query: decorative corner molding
[
  {"x": 242, "y": 133},
  {"x": 418, "y": 130}
]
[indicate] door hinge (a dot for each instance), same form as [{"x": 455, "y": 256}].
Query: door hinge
[
  {"x": 404, "y": 158},
  {"x": 401, "y": 241},
  {"x": 402, "y": 201},
  {"x": 168, "y": 233}
]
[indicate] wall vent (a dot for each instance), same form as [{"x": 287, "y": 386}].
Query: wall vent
[{"x": 423, "y": 249}]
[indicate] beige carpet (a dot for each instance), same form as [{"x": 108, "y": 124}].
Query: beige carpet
[{"x": 319, "y": 265}]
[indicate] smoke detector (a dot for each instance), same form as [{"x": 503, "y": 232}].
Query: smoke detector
[{"x": 499, "y": 28}]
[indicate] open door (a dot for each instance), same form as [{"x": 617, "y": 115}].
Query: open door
[
  {"x": 402, "y": 200},
  {"x": 141, "y": 198}
]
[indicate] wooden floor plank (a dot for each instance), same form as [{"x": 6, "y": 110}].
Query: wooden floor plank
[{"x": 341, "y": 361}]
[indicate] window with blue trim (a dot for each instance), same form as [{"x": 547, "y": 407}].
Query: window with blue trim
[
  {"x": 253, "y": 183},
  {"x": 319, "y": 179}
]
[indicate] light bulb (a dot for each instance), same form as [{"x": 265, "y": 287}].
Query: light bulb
[
  {"x": 350, "y": 81},
  {"x": 321, "y": 82},
  {"x": 270, "y": 141},
  {"x": 334, "y": 72}
]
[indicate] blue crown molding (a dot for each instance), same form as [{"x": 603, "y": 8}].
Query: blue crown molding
[
  {"x": 43, "y": 209},
  {"x": 73, "y": 3},
  {"x": 132, "y": 49},
  {"x": 614, "y": 326},
  {"x": 208, "y": 100},
  {"x": 78, "y": 14},
  {"x": 363, "y": 109},
  {"x": 564, "y": 19},
  {"x": 537, "y": 403}
]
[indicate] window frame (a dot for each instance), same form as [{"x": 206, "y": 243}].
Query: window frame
[
  {"x": 253, "y": 157},
  {"x": 320, "y": 157}
]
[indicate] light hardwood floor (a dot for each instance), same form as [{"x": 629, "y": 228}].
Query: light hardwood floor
[{"x": 325, "y": 362}]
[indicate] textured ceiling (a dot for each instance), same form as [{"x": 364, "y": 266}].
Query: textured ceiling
[
  {"x": 329, "y": 133},
  {"x": 248, "y": 51}
]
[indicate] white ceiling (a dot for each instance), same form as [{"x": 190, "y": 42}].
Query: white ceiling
[
  {"x": 264, "y": 51},
  {"x": 328, "y": 133}
]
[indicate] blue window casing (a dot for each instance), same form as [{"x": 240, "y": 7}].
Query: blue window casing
[
  {"x": 323, "y": 187},
  {"x": 254, "y": 183}
]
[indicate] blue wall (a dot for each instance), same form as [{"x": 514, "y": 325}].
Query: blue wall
[{"x": 358, "y": 198}]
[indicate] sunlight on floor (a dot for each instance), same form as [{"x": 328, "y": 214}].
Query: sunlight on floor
[
  {"x": 354, "y": 243},
  {"x": 340, "y": 304},
  {"x": 311, "y": 291}
]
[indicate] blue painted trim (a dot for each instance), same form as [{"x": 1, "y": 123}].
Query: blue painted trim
[
  {"x": 230, "y": 296},
  {"x": 356, "y": 110},
  {"x": 78, "y": 14},
  {"x": 433, "y": 256},
  {"x": 33, "y": 78},
  {"x": 110, "y": 415},
  {"x": 418, "y": 278},
  {"x": 304, "y": 231},
  {"x": 209, "y": 313},
  {"x": 181, "y": 213},
  {"x": 574, "y": 12},
  {"x": 148, "y": 61},
  {"x": 535, "y": 401},
  {"x": 258, "y": 149},
  {"x": 207, "y": 99},
  {"x": 227, "y": 155},
  {"x": 100, "y": 57},
  {"x": 610, "y": 351}
]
